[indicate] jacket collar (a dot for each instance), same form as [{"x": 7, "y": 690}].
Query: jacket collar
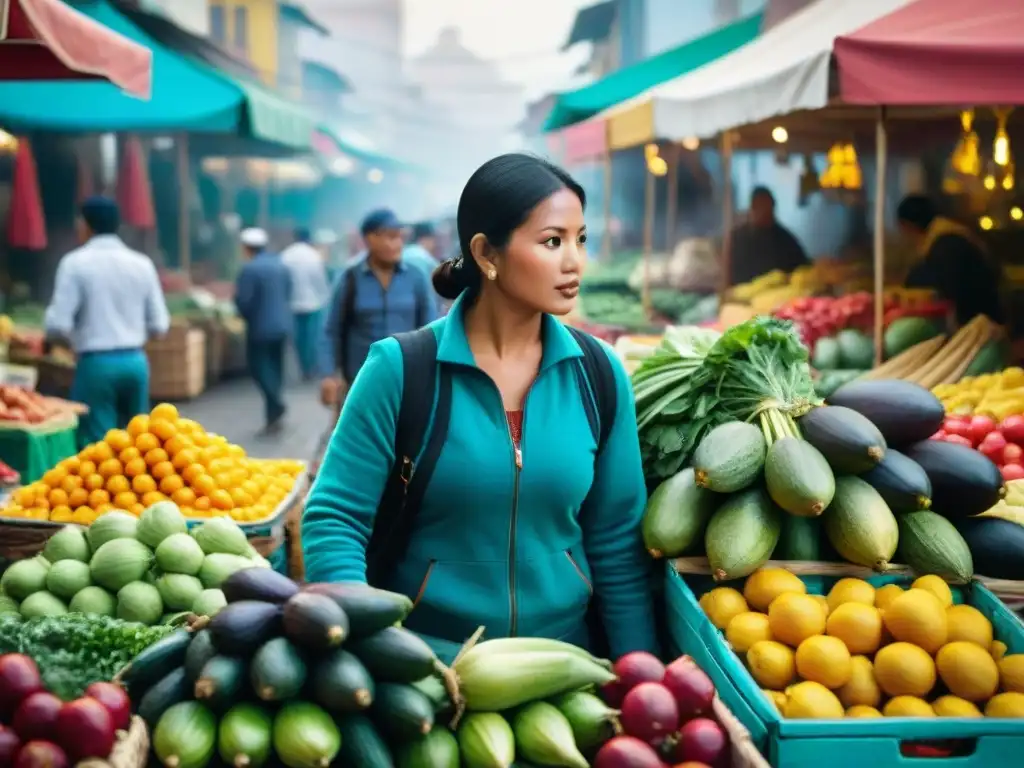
[
  {"x": 453, "y": 346},
  {"x": 363, "y": 265}
]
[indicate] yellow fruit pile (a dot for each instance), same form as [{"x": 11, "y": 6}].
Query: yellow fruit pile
[
  {"x": 996, "y": 395},
  {"x": 159, "y": 456},
  {"x": 866, "y": 652}
]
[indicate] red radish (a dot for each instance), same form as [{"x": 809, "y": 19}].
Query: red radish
[
  {"x": 703, "y": 740},
  {"x": 9, "y": 746},
  {"x": 959, "y": 440},
  {"x": 690, "y": 686},
  {"x": 649, "y": 712},
  {"x": 36, "y": 716},
  {"x": 19, "y": 677},
  {"x": 1012, "y": 472},
  {"x": 85, "y": 729},
  {"x": 981, "y": 426},
  {"x": 41, "y": 754},
  {"x": 631, "y": 670},
  {"x": 1012, "y": 454},
  {"x": 116, "y": 700},
  {"x": 627, "y": 752},
  {"x": 1013, "y": 428}
]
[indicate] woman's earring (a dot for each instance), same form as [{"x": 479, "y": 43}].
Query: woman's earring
[{"x": 492, "y": 274}]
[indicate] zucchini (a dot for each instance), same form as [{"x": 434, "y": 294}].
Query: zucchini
[
  {"x": 901, "y": 482},
  {"x": 964, "y": 482},
  {"x": 172, "y": 689},
  {"x": 997, "y": 545},
  {"x": 186, "y": 736},
  {"x": 200, "y": 651},
  {"x": 677, "y": 514},
  {"x": 860, "y": 525},
  {"x": 362, "y": 746},
  {"x": 798, "y": 477},
  {"x": 395, "y": 655},
  {"x": 800, "y": 539},
  {"x": 742, "y": 534},
  {"x": 544, "y": 735},
  {"x": 401, "y": 712},
  {"x": 277, "y": 671},
  {"x": 221, "y": 682},
  {"x": 240, "y": 628},
  {"x": 730, "y": 457},
  {"x": 369, "y": 610},
  {"x": 341, "y": 684},
  {"x": 245, "y": 736},
  {"x": 155, "y": 662},
  {"x": 486, "y": 740},
  {"x": 930, "y": 544},
  {"x": 305, "y": 736},
  {"x": 314, "y": 621},
  {"x": 904, "y": 412},
  {"x": 438, "y": 749},
  {"x": 850, "y": 443},
  {"x": 264, "y": 585}
]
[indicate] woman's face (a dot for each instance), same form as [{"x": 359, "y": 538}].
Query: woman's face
[{"x": 543, "y": 263}]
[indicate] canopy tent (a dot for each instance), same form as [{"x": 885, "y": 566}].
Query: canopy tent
[
  {"x": 936, "y": 52},
  {"x": 333, "y": 141},
  {"x": 579, "y": 105},
  {"x": 49, "y": 40},
  {"x": 784, "y": 70}
]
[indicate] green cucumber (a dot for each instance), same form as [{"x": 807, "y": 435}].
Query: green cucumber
[
  {"x": 369, "y": 610},
  {"x": 742, "y": 534},
  {"x": 395, "y": 655},
  {"x": 593, "y": 722},
  {"x": 155, "y": 662},
  {"x": 931, "y": 544},
  {"x": 730, "y": 457},
  {"x": 341, "y": 684},
  {"x": 238, "y": 629},
  {"x": 245, "y": 736},
  {"x": 200, "y": 651},
  {"x": 277, "y": 671},
  {"x": 860, "y": 526},
  {"x": 361, "y": 744},
  {"x": 798, "y": 477},
  {"x": 800, "y": 539},
  {"x": 901, "y": 482},
  {"x": 186, "y": 736},
  {"x": 305, "y": 736},
  {"x": 314, "y": 621},
  {"x": 438, "y": 749},
  {"x": 401, "y": 712},
  {"x": 221, "y": 682},
  {"x": 677, "y": 514},
  {"x": 173, "y": 689}
]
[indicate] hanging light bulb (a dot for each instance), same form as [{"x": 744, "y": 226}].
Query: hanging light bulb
[
  {"x": 651, "y": 150},
  {"x": 780, "y": 135},
  {"x": 691, "y": 143},
  {"x": 1016, "y": 213},
  {"x": 1000, "y": 172},
  {"x": 8, "y": 143},
  {"x": 657, "y": 166}
]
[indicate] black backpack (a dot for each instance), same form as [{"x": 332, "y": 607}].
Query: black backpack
[{"x": 407, "y": 483}]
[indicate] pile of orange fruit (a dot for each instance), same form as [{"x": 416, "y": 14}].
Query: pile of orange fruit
[{"x": 158, "y": 456}]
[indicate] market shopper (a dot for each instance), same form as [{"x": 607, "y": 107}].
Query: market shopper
[
  {"x": 525, "y": 494},
  {"x": 420, "y": 250},
  {"x": 310, "y": 290},
  {"x": 373, "y": 298},
  {"x": 761, "y": 244},
  {"x": 107, "y": 301},
  {"x": 950, "y": 261},
  {"x": 263, "y": 294}
]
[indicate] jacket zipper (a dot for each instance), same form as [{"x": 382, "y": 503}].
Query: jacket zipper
[
  {"x": 579, "y": 571},
  {"x": 517, "y": 468}
]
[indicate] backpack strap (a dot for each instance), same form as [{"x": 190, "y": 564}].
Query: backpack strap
[
  {"x": 346, "y": 316},
  {"x": 596, "y": 379},
  {"x": 414, "y": 461}
]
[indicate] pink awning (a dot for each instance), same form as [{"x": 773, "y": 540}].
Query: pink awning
[
  {"x": 49, "y": 40},
  {"x": 585, "y": 141},
  {"x": 936, "y": 52}
]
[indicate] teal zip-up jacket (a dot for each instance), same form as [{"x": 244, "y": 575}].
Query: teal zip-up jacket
[{"x": 514, "y": 550}]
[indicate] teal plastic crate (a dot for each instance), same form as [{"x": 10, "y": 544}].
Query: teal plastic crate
[{"x": 852, "y": 743}]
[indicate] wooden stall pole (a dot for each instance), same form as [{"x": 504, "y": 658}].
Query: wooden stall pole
[
  {"x": 184, "y": 206},
  {"x": 672, "y": 181},
  {"x": 649, "y": 203},
  {"x": 728, "y": 215},
  {"x": 881, "y": 158},
  {"x": 606, "y": 241}
]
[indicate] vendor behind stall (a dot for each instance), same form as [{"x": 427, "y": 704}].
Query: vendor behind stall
[
  {"x": 107, "y": 302},
  {"x": 762, "y": 244},
  {"x": 950, "y": 261}
]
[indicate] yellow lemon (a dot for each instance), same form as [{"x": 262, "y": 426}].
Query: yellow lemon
[
  {"x": 937, "y": 586},
  {"x": 812, "y": 701},
  {"x": 748, "y": 628},
  {"x": 823, "y": 602},
  {"x": 862, "y": 711},
  {"x": 967, "y": 623},
  {"x": 764, "y": 585},
  {"x": 850, "y": 591},
  {"x": 918, "y": 617},
  {"x": 861, "y": 689},
  {"x": 902, "y": 669},
  {"x": 1010, "y": 704},
  {"x": 998, "y": 650},
  {"x": 968, "y": 670},
  {"x": 771, "y": 664},
  {"x": 777, "y": 698},
  {"x": 793, "y": 618},
  {"x": 824, "y": 660},
  {"x": 954, "y": 706},
  {"x": 1011, "y": 672},
  {"x": 907, "y": 706},
  {"x": 859, "y": 626},
  {"x": 721, "y": 604},
  {"x": 885, "y": 595}
]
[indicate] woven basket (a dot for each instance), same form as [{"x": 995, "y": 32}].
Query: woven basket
[
  {"x": 21, "y": 542},
  {"x": 130, "y": 751}
]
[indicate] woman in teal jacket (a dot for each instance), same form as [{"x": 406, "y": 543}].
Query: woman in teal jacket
[{"x": 520, "y": 525}]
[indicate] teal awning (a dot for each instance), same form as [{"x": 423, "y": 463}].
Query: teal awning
[
  {"x": 359, "y": 148},
  {"x": 272, "y": 118},
  {"x": 620, "y": 86}
]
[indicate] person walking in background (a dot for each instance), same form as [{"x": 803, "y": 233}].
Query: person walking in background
[
  {"x": 107, "y": 302},
  {"x": 310, "y": 290},
  {"x": 263, "y": 295},
  {"x": 762, "y": 244},
  {"x": 373, "y": 298},
  {"x": 420, "y": 252}
]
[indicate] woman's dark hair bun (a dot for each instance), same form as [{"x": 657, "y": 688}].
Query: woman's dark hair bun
[{"x": 499, "y": 196}]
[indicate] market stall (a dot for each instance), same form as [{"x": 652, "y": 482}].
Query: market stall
[{"x": 36, "y": 432}]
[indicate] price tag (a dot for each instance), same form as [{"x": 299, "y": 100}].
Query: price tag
[{"x": 19, "y": 376}]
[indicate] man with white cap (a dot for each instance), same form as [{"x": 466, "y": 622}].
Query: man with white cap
[
  {"x": 311, "y": 288},
  {"x": 263, "y": 297}
]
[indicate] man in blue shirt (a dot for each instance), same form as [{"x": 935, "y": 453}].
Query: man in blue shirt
[
  {"x": 107, "y": 302},
  {"x": 263, "y": 297},
  {"x": 420, "y": 250},
  {"x": 373, "y": 298}
]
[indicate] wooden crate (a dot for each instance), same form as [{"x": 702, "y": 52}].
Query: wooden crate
[{"x": 177, "y": 364}]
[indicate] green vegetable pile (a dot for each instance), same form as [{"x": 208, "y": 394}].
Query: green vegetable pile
[
  {"x": 698, "y": 379},
  {"x": 77, "y": 650}
]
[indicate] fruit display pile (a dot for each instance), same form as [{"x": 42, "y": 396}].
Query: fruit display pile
[
  {"x": 23, "y": 406},
  {"x": 857, "y": 480},
  {"x": 997, "y": 395},
  {"x": 144, "y": 569},
  {"x": 865, "y": 652},
  {"x": 159, "y": 456},
  {"x": 39, "y": 730},
  {"x": 1002, "y": 443},
  {"x": 775, "y": 290}
]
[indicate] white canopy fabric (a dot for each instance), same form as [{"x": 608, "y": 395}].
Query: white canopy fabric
[{"x": 784, "y": 70}]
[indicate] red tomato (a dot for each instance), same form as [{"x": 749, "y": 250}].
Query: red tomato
[
  {"x": 980, "y": 427},
  {"x": 1013, "y": 428},
  {"x": 1012, "y": 454},
  {"x": 1012, "y": 472},
  {"x": 959, "y": 440},
  {"x": 959, "y": 427},
  {"x": 993, "y": 446}
]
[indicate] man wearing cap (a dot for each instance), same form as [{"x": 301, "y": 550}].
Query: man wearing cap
[
  {"x": 107, "y": 302},
  {"x": 311, "y": 289},
  {"x": 373, "y": 298},
  {"x": 263, "y": 295},
  {"x": 420, "y": 250}
]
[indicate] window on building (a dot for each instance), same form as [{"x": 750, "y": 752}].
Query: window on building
[
  {"x": 241, "y": 29},
  {"x": 218, "y": 30}
]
